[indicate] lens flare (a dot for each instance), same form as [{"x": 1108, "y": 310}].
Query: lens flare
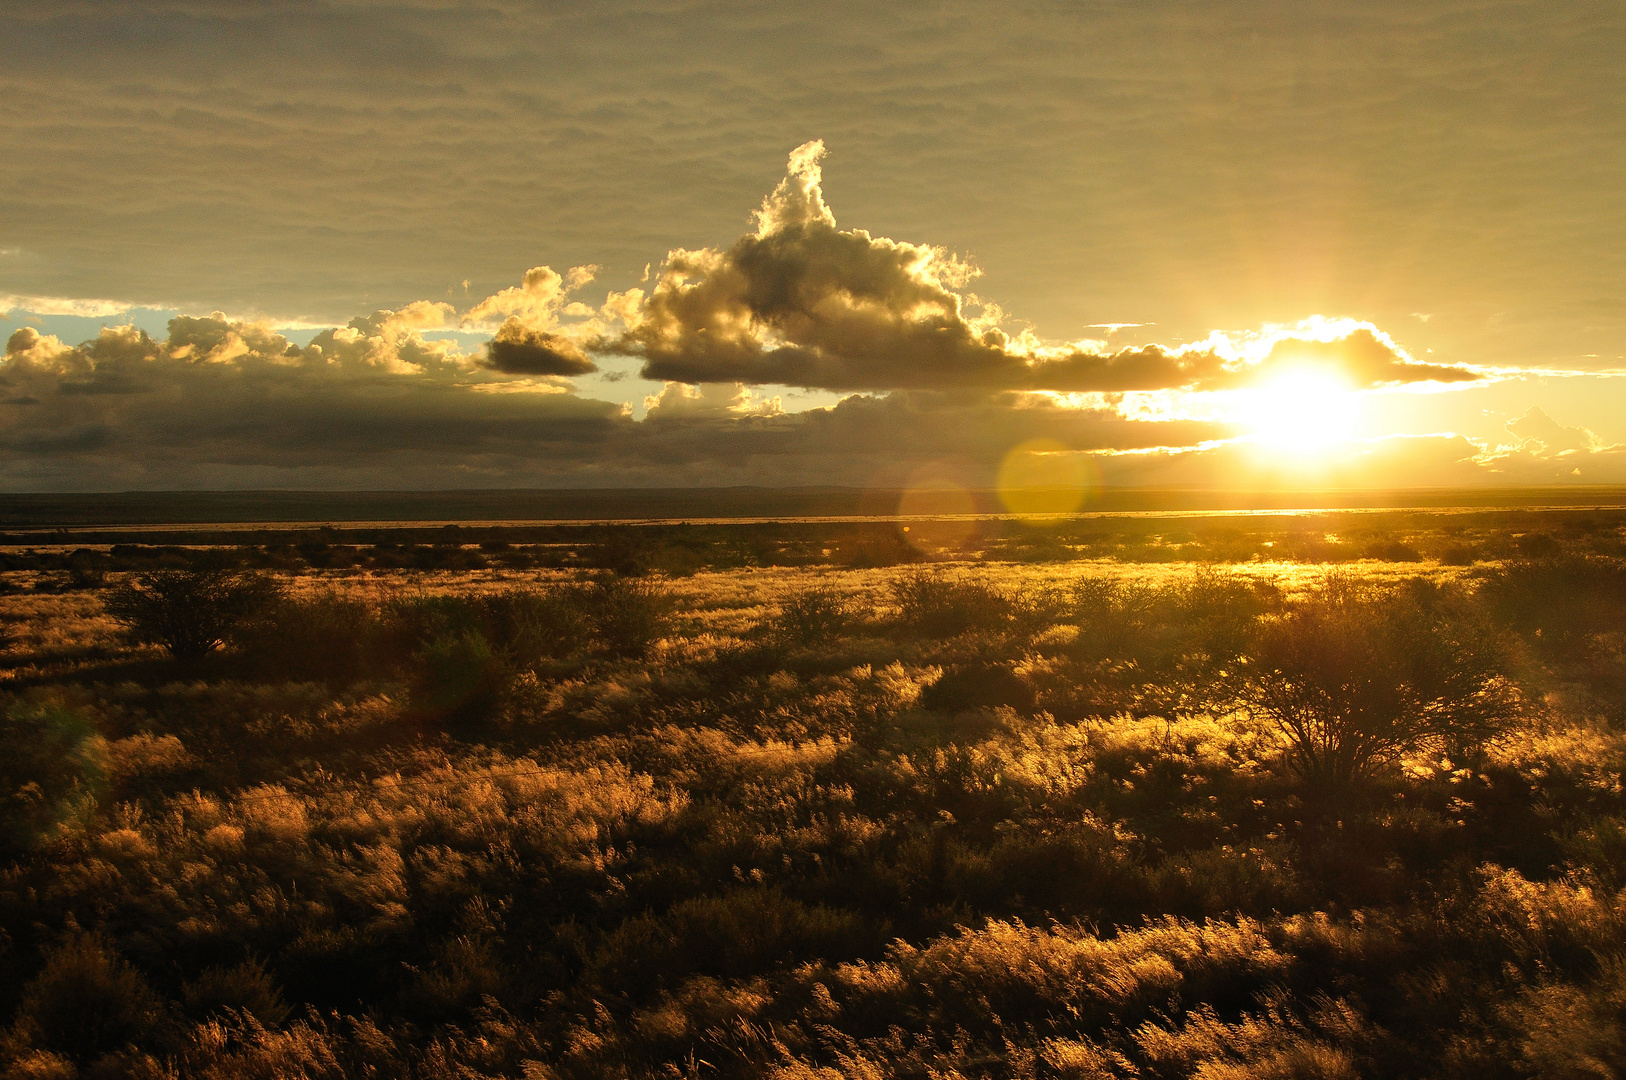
[
  {"x": 1042, "y": 478},
  {"x": 936, "y": 511}
]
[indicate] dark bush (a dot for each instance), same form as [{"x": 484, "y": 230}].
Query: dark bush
[
  {"x": 1536, "y": 545},
  {"x": 811, "y": 616},
  {"x": 1163, "y": 647},
  {"x": 1458, "y": 555},
  {"x": 940, "y": 606},
  {"x": 978, "y": 686},
  {"x": 87, "y": 569},
  {"x": 87, "y": 1002},
  {"x": 1571, "y": 614},
  {"x": 738, "y": 933},
  {"x": 625, "y": 615},
  {"x": 461, "y": 678},
  {"x": 189, "y": 612},
  {"x": 1559, "y": 602},
  {"x": 245, "y": 988},
  {"x": 1357, "y": 674},
  {"x": 326, "y": 636},
  {"x": 1391, "y": 550}
]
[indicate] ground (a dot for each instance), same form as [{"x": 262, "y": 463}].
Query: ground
[{"x": 953, "y": 815}]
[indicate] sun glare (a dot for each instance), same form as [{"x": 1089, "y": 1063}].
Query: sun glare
[{"x": 1302, "y": 409}]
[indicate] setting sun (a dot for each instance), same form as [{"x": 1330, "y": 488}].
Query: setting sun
[{"x": 1304, "y": 409}]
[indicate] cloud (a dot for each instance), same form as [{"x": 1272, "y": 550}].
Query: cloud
[
  {"x": 802, "y": 302},
  {"x": 62, "y": 305},
  {"x": 224, "y": 403},
  {"x": 518, "y": 350},
  {"x": 1540, "y": 434},
  {"x": 231, "y": 403},
  {"x": 530, "y": 340},
  {"x": 1360, "y": 352},
  {"x": 713, "y": 401},
  {"x": 1209, "y": 168},
  {"x": 536, "y": 299}
]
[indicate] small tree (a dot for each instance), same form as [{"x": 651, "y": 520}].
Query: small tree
[
  {"x": 189, "y": 612},
  {"x": 1356, "y": 676}
]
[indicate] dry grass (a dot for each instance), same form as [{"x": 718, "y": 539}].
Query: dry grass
[{"x": 1040, "y": 837}]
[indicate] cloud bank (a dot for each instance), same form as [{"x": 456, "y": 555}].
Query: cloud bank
[{"x": 377, "y": 404}]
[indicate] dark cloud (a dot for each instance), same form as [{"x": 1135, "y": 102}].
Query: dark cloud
[
  {"x": 516, "y": 349},
  {"x": 227, "y": 403},
  {"x": 224, "y": 403}
]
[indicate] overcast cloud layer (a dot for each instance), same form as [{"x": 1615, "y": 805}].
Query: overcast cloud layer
[{"x": 534, "y": 202}]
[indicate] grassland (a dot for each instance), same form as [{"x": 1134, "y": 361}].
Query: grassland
[{"x": 1303, "y": 796}]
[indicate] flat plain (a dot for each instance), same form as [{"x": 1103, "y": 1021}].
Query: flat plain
[{"x": 1275, "y": 795}]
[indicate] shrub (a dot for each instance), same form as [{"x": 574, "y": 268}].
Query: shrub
[
  {"x": 736, "y": 934},
  {"x": 461, "y": 678},
  {"x": 978, "y": 686},
  {"x": 87, "y": 1002},
  {"x": 626, "y": 615},
  {"x": 87, "y": 569},
  {"x": 246, "y": 988},
  {"x": 941, "y": 606},
  {"x": 1356, "y": 675},
  {"x": 811, "y": 616},
  {"x": 1559, "y": 601},
  {"x": 189, "y": 612},
  {"x": 326, "y": 636},
  {"x": 1570, "y": 1031}
]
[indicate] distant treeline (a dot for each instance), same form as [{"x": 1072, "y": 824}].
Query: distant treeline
[
  {"x": 50, "y": 510},
  {"x": 79, "y": 558}
]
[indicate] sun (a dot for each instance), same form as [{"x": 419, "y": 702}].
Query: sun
[{"x": 1305, "y": 409}]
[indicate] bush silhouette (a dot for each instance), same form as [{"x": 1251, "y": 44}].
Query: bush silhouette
[
  {"x": 1356, "y": 675},
  {"x": 626, "y": 615},
  {"x": 87, "y": 1002},
  {"x": 322, "y": 636},
  {"x": 189, "y": 612},
  {"x": 939, "y": 606},
  {"x": 246, "y": 988},
  {"x": 811, "y": 616},
  {"x": 461, "y": 678}
]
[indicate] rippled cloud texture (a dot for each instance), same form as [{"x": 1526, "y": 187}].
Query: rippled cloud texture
[{"x": 513, "y": 244}]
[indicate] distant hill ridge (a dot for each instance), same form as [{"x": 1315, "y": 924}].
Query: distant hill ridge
[{"x": 51, "y": 510}]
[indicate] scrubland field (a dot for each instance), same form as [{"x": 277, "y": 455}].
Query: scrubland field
[{"x": 1315, "y": 796}]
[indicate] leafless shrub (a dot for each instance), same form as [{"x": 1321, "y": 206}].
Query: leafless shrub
[
  {"x": 811, "y": 616},
  {"x": 189, "y": 612},
  {"x": 1356, "y": 675},
  {"x": 941, "y": 605}
]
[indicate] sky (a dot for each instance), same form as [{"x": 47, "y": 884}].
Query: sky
[{"x": 408, "y": 244}]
